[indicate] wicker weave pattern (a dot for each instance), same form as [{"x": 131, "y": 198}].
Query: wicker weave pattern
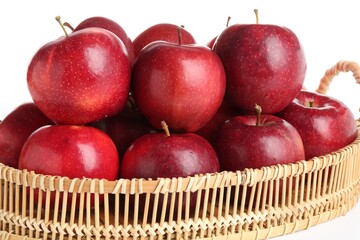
[
  {"x": 323, "y": 188},
  {"x": 341, "y": 66},
  {"x": 250, "y": 204}
]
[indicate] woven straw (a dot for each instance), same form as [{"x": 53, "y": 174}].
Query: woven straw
[{"x": 250, "y": 204}]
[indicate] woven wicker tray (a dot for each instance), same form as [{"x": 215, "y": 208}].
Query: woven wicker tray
[{"x": 250, "y": 204}]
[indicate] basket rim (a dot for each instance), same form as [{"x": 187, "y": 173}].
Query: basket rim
[{"x": 247, "y": 177}]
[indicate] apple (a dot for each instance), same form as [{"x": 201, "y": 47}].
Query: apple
[
  {"x": 70, "y": 151},
  {"x": 255, "y": 141},
  {"x": 81, "y": 77},
  {"x": 16, "y": 128},
  {"x": 162, "y": 31},
  {"x": 265, "y": 64},
  {"x": 181, "y": 84},
  {"x": 165, "y": 155},
  {"x": 111, "y": 25},
  {"x": 168, "y": 155},
  {"x": 325, "y": 123},
  {"x": 125, "y": 127}
]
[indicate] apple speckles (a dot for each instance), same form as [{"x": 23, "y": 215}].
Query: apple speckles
[
  {"x": 261, "y": 61},
  {"x": 80, "y": 78},
  {"x": 241, "y": 144},
  {"x": 182, "y": 84},
  {"x": 325, "y": 126}
]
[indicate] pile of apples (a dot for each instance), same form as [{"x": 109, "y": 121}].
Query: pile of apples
[{"x": 160, "y": 105}]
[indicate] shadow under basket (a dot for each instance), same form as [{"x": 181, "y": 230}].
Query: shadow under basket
[{"x": 250, "y": 204}]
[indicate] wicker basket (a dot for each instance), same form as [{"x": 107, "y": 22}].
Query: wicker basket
[{"x": 249, "y": 204}]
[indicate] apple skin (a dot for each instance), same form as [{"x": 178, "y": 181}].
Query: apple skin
[
  {"x": 81, "y": 77},
  {"x": 325, "y": 127},
  {"x": 111, "y": 25},
  {"x": 164, "y": 32},
  {"x": 70, "y": 151},
  {"x": 241, "y": 144},
  {"x": 264, "y": 64},
  {"x": 181, "y": 84},
  {"x": 16, "y": 128}
]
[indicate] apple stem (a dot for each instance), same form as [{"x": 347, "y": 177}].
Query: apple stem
[
  {"x": 166, "y": 128},
  {"x": 58, "y": 19},
  {"x": 311, "y": 103},
  {"x": 66, "y": 24},
  {"x": 228, "y": 20},
  {"x": 131, "y": 104},
  {"x": 258, "y": 114},
  {"x": 256, "y": 11},
  {"x": 179, "y": 30}
]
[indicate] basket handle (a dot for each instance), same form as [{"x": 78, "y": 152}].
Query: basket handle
[{"x": 341, "y": 66}]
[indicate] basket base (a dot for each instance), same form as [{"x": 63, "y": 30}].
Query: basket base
[{"x": 258, "y": 234}]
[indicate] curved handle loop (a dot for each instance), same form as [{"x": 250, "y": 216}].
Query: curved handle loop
[{"x": 341, "y": 66}]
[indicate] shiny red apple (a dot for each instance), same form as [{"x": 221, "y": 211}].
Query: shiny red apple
[
  {"x": 255, "y": 141},
  {"x": 181, "y": 84},
  {"x": 164, "y": 32},
  {"x": 70, "y": 151},
  {"x": 16, "y": 128},
  {"x": 81, "y": 77},
  {"x": 325, "y": 124},
  {"x": 265, "y": 64},
  {"x": 165, "y": 155},
  {"x": 169, "y": 155},
  {"x": 112, "y": 26}
]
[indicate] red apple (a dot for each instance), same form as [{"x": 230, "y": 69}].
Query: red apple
[
  {"x": 157, "y": 155},
  {"x": 125, "y": 127},
  {"x": 324, "y": 123},
  {"x": 162, "y": 31},
  {"x": 81, "y": 77},
  {"x": 112, "y": 26},
  {"x": 70, "y": 151},
  {"x": 252, "y": 141},
  {"x": 264, "y": 64},
  {"x": 163, "y": 155},
  {"x": 16, "y": 128},
  {"x": 181, "y": 84}
]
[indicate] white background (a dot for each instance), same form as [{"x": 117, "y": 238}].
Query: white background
[{"x": 328, "y": 31}]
